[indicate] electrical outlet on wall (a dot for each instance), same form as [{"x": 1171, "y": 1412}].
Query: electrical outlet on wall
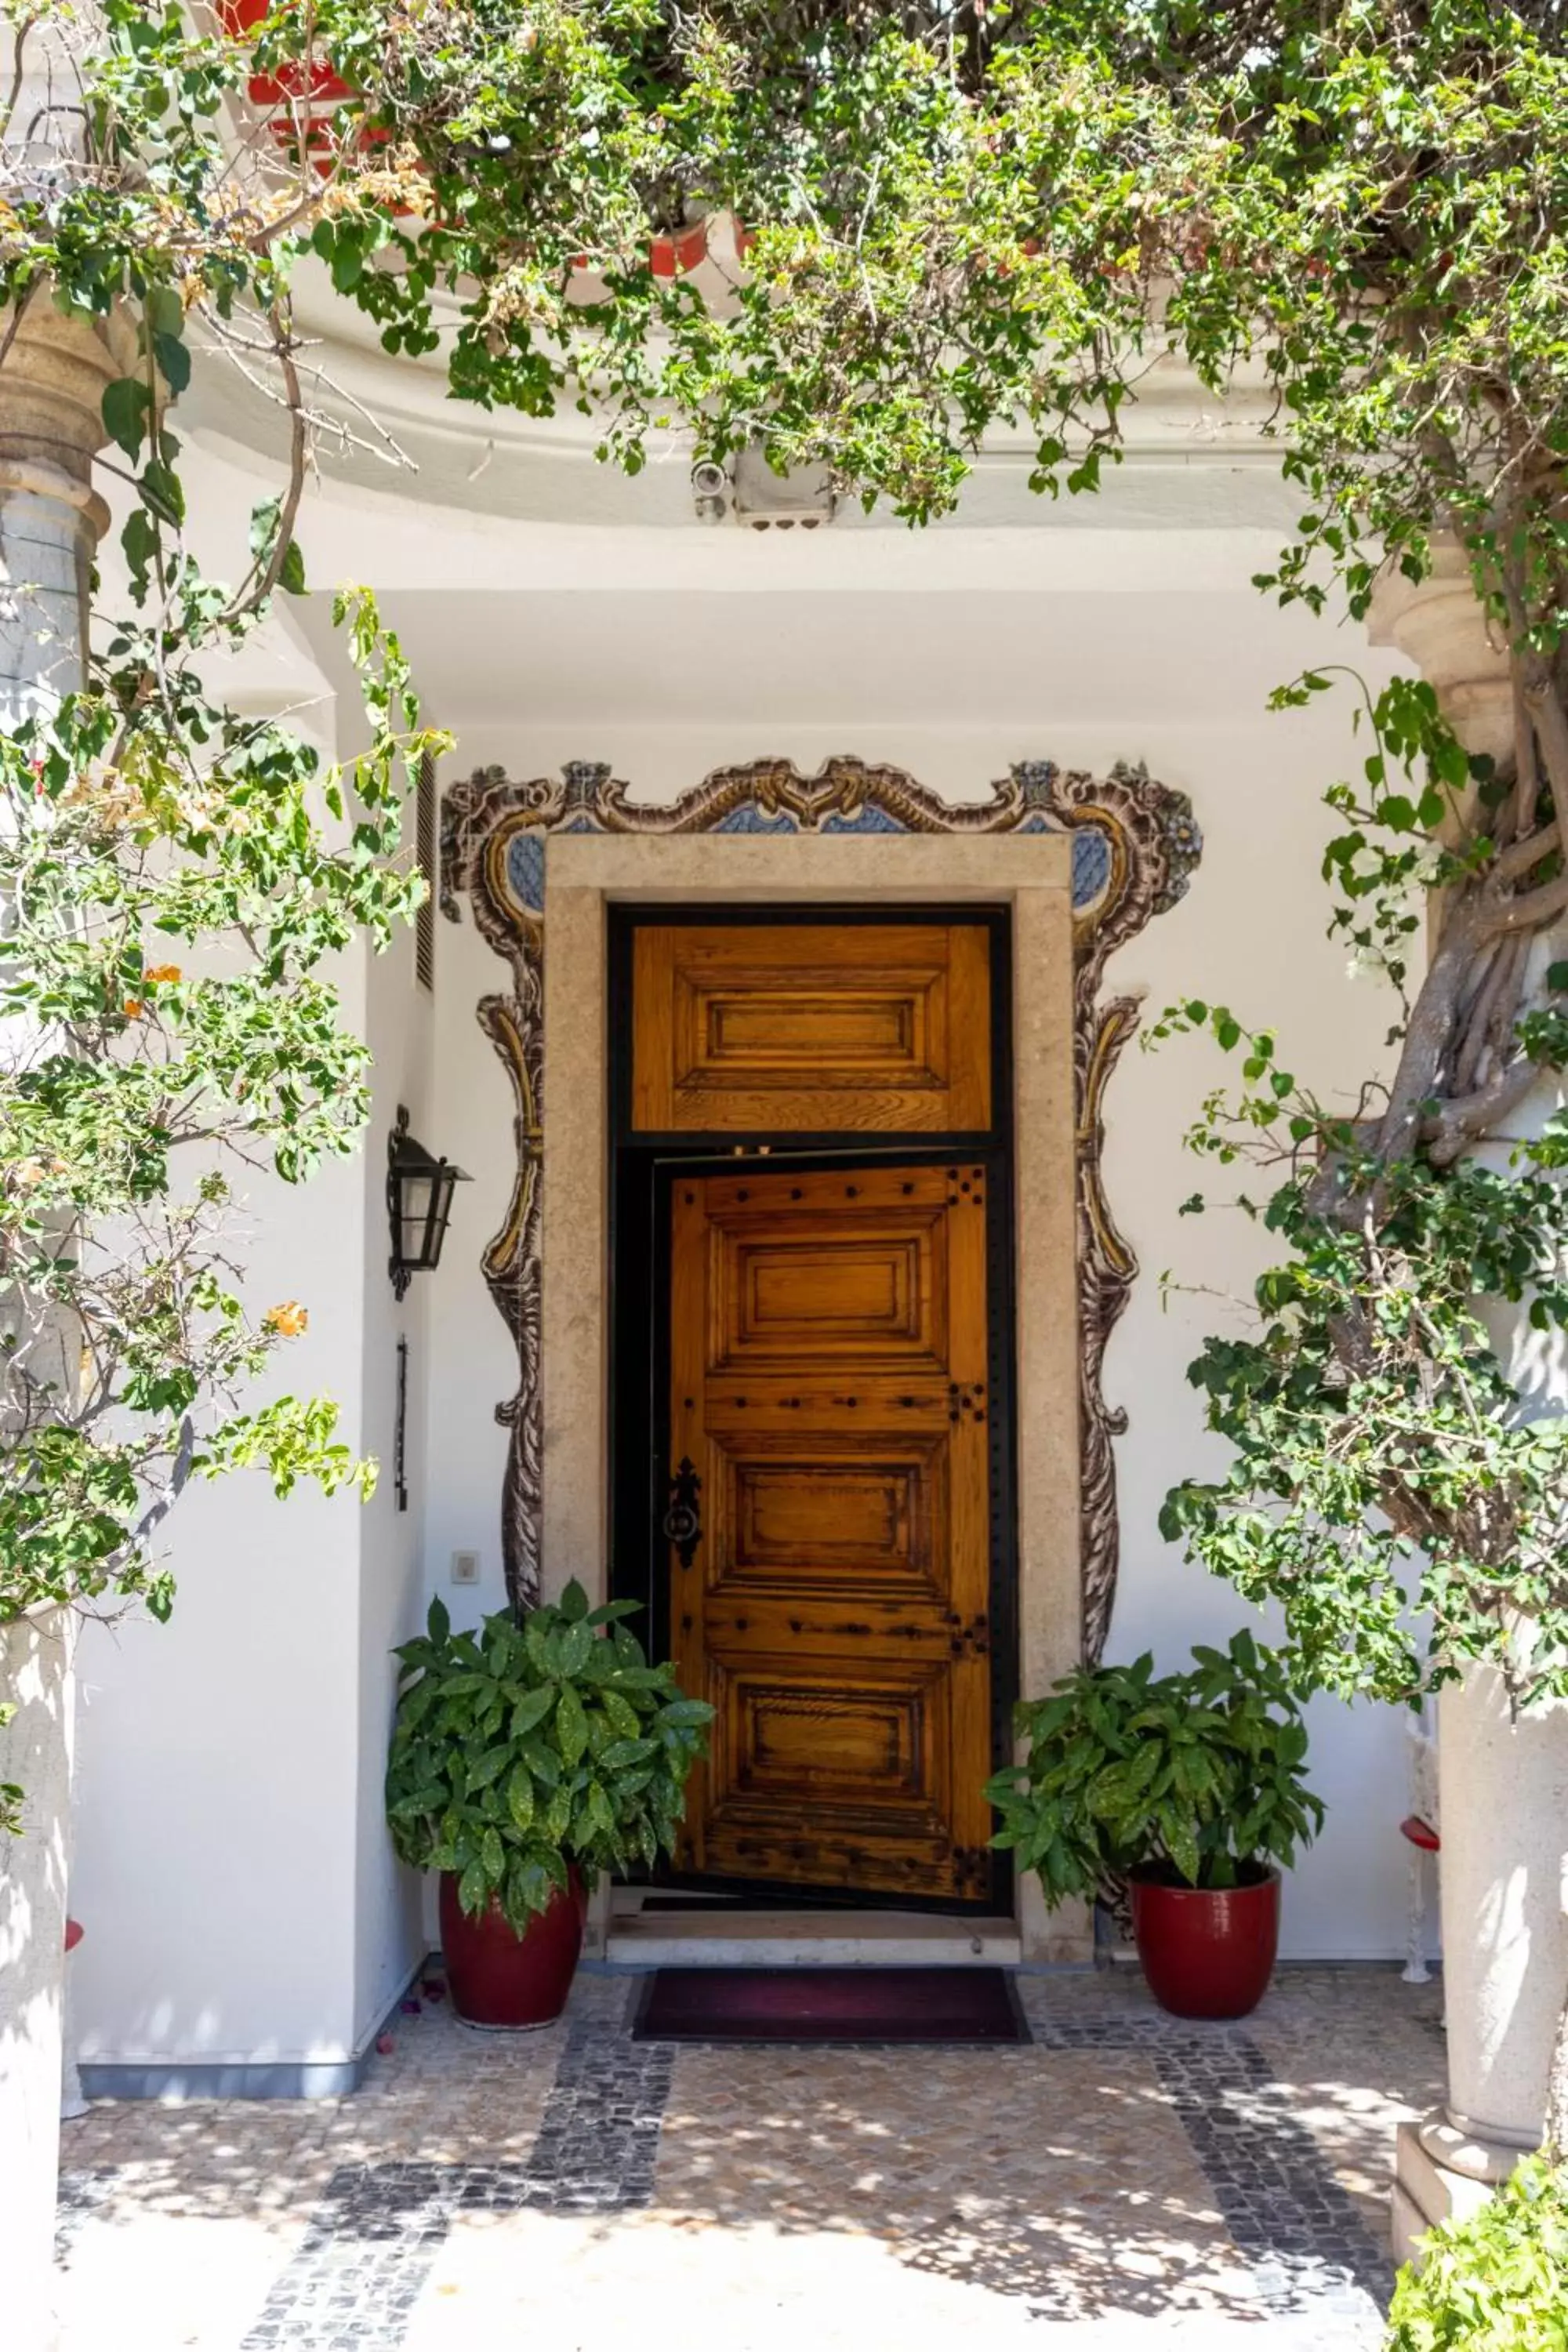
[{"x": 465, "y": 1568}]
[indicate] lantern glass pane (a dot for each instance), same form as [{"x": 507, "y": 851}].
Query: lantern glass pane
[
  {"x": 440, "y": 1210},
  {"x": 417, "y": 1192}
]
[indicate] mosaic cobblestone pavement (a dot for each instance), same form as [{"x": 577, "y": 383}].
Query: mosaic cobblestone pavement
[{"x": 1125, "y": 2181}]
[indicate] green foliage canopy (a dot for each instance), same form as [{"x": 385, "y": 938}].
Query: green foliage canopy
[
  {"x": 177, "y": 880},
  {"x": 132, "y": 836}
]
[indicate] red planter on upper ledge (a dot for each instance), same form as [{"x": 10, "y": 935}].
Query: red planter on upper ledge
[
  {"x": 283, "y": 96},
  {"x": 268, "y": 90}
]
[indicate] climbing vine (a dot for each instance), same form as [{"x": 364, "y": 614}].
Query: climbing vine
[
  {"x": 1393, "y": 200},
  {"x": 927, "y": 221}
]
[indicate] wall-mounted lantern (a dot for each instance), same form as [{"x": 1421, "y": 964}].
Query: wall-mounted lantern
[{"x": 418, "y": 1203}]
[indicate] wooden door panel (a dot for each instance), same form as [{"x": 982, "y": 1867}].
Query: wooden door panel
[
  {"x": 845, "y": 1292},
  {"x": 810, "y": 1296},
  {"x": 830, "y": 1364},
  {"x": 863, "y": 1743},
  {"x": 832, "y": 1775},
  {"x": 804, "y": 1517},
  {"x": 835, "y": 1272},
  {"x": 812, "y": 1028},
  {"x": 802, "y": 1029},
  {"x": 797, "y": 1513}
]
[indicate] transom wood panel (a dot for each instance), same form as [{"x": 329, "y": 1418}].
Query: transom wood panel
[
  {"x": 812, "y": 1028},
  {"x": 828, "y": 1362}
]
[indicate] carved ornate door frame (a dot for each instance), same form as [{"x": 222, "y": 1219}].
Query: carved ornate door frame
[{"x": 1134, "y": 845}]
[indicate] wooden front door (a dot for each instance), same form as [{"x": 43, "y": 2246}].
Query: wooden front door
[{"x": 829, "y": 1363}]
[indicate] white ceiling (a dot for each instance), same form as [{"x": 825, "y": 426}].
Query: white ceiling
[{"x": 1006, "y": 657}]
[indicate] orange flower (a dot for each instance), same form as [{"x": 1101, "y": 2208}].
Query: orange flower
[
  {"x": 289, "y": 1320},
  {"x": 164, "y": 974},
  {"x": 133, "y": 1008}
]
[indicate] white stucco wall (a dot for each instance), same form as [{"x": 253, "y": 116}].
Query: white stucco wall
[
  {"x": 390, "y": 1937},
  {"x": 215, "y": 1868},
  {"x": 232, "y": 1868}
]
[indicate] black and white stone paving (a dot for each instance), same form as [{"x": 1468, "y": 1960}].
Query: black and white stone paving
[
  {"x": 356, "y": 2279},
  {"x": 1303, "y": 2237},
  {"x": 1189, "y": 2170},
  {"x": 599, "y": 2137},
  {"x": 371, "y": 2243}
]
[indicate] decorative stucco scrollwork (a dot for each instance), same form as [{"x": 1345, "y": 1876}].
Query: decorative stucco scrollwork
[{"x": 1134, "y": 845}]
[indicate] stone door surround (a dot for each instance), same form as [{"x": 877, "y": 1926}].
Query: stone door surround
[{"x": 1082, "y": 864}]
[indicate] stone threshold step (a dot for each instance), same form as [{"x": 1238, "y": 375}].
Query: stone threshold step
[{"x": 773, "y": 1939}]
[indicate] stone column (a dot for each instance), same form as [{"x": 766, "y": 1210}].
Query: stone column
[
  {"x": 1503, "y": 1786},
  {"x": 1439, "y": 623},
  {"x": 51, "y": 518},
  {"x": 51, "y": 388},
  {"x": 36, "y": 1658}
]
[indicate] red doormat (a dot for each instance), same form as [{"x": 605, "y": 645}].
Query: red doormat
[{"x": 808, "y": 2004}]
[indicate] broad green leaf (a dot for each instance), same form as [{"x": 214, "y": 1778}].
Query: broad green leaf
[
  {"x": 126, "y": 407},
  {"x": 174, "y": 359},
  {"x": 520, "y": 1798},
  {"x": 621, "y": 1753},
  {"x": 532, "y": 1710},
  {"x": 622, "y": 1714},
  {"x": 576, "y": 1642},
  {"x": 541, "y": 1761},
  {"x": 571, "y": 1726},
  {"x": 684, "y": 1714}
]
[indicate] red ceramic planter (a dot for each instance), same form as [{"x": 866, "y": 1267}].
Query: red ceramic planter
[
  {"x": 1207, "y": 1952},
  {"x": 504, "y": 1981}
]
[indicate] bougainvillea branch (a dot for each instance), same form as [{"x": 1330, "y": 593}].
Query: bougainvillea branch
[{"x": 175, "y": 877}]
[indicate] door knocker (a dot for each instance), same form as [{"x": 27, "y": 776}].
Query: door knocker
[{"x": 683, "y": 1520}]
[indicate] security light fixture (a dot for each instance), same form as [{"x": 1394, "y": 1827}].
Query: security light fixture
[
  {"x": 710, "y": 491},
  {"x": 418, "y": 1203},
  {"x": 800, "y": 499}
]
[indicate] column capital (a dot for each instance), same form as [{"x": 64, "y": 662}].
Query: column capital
[
  {"x": 1442, "y": 625},
  {"x": 51, "y": 416}
]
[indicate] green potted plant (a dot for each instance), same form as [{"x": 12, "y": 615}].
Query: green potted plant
[
  {"x": 527, "y": 1757},
  {"x": 1187, "y": 1788}
]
